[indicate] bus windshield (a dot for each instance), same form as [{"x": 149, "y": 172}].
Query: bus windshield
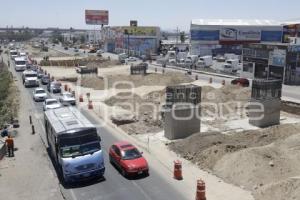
[{"x": 79, "y": 146}]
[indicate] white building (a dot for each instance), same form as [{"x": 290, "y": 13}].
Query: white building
[{"x": 208, "y": 35}]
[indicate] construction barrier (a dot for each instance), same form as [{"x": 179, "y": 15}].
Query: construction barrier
[
  {"x": 178, "y": 170},
  {"x": 66, "y": 87},
  {"x": 223, "y": 82},
  {"x": 2, "y": 150},
  {"x": 210, "y": 80},
  {"x": 70, "y": 90},
  {"x": 196, "y": 77},
  {"x": 90, "y": 105},
  {"x": 73, "y": 93},
  {"x": 200, "y": 193},
  {"x": 81, "y": 98}
]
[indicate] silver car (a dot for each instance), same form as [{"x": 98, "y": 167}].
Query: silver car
[
  {"x": 67, "y": 99},
  {"x": 39, "y": 94},
  {"x": 51, "y": 104}
]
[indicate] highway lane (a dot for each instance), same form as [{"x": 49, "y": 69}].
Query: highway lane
[{"x": 115, "y": 186}]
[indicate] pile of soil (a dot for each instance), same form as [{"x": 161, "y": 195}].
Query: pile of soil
[
  {"x": 145, "y": 109},
  {"x": 133, "y": 81},
  {"x": 256, "y": 160}
]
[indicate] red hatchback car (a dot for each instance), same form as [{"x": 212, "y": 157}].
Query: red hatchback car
[{"x": 128, "y": 159}]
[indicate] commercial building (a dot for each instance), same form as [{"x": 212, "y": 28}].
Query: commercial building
[
  {"x": 212, "y": 37},
  {"x": 135, "y": 40},
  {"x": 272, "y": 61}
]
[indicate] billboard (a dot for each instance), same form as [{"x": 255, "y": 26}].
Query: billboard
[
  {"x": 205, "y": 35},
  {"x": 141, "y": 31},
  {"x": 96, "y": 17},
  {"x": 271, "y": 36},
  {"x": 277, "y": 58},
  {"x": 240, "y": 34}
]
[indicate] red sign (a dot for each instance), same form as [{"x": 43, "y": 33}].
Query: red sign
[{"x": 96, "y": 17}]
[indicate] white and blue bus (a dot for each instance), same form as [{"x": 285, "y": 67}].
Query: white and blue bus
[{"x": 74, "y": 144}]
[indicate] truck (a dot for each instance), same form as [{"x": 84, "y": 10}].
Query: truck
[
  {"x": 205, "y": 61},
  {"x": 234, "y": 63},
  {"x": 30, "y": 78},
  {"x": 20, "y": 63},
  {"x": 86, "y": 70},
  {"x": 122, "y": 57},
  {"x": 191, "y": 60},
  {"x": 74, "y": 144}
]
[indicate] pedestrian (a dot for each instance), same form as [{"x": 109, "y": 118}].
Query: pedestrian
[
  {"x": 10, "y": 146},
  {"x": 4, "y": 132}
]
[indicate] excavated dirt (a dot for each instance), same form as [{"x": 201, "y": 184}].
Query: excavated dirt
[
  {"x": 133, "y": 81},
  {"x": 260, "y": 160}
]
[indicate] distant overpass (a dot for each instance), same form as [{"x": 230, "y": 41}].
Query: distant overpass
[{"x": 40, "y": 29}]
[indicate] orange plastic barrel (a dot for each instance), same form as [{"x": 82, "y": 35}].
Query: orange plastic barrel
[{"x": 178, "y": 170}]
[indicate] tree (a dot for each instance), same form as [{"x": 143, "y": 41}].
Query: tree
[{"x": 182, "y": 37}]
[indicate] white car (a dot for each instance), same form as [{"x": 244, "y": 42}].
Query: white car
[
  {"x": 51, "y": 104},
  {"x": 67, "y": 99},
  {"x": 39, "y": 94},
  {"x": 131, "y": 59}
]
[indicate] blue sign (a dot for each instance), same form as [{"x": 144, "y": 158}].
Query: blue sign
[
  {"x": 271, "y": 36},
  {"x": 205, "y": 35}
]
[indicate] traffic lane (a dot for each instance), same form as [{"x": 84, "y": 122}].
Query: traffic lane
[
  {"x": 115, "y": 186},
  {"x": 152, "y": 187}
]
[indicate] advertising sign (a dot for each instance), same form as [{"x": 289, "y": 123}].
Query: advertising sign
[
  {"x": 96, "y": 17},
  {"x": 141, "y": 31},
  {"x": 240, "y": 34},
  {"x": 205, "y": 35},
  {"x": 277, "y": 58},
  {"x": 271, "y": 36},
  {"x": 134, "y": 23}
]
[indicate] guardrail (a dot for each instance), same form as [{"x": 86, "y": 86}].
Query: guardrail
[{"x": 2, "y": 149}]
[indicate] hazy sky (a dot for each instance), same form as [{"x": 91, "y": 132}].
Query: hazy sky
[{"x": 168, "y": 14}]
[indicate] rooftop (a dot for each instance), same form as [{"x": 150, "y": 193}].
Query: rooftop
[{"x": 235, "y": 22}]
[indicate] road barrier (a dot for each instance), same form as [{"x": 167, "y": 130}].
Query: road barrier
[
  {"x": 178, "y": 170},
  {"x": 90, "y": 105},
  {"x": 33, "y": 129},
  {"x": 200, "y": 193},
  {"x": 2, "y": 149},
  {"x": 81, "y": 98}
]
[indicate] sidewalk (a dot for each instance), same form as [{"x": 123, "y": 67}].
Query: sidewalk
[{"x": 30, "y": 174}]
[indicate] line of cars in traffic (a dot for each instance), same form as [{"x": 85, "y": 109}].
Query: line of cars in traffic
[{"x": 74, "y": 142}]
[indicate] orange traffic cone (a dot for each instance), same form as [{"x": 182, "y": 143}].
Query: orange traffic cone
[
  {"x": 178, "y": 170},
  {"x": 200, "y": 193}
]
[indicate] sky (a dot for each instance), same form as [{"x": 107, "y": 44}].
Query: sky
[{"x": 168, "y": 14}]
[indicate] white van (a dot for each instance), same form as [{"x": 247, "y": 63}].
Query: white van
[
  {"x": 20, "y": 63},
  {"x": 13, "y": 53}
]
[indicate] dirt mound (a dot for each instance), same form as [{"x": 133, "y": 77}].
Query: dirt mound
[
  {"x": 283, "y": 190},
  {"x": 251, "y": 159},
  {"x": 145, "y": 109},
  {"x": 92, "y": 81}
]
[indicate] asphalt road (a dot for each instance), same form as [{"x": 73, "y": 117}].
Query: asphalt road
[{"x": 114, "y": 186}]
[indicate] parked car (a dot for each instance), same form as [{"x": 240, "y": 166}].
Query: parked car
[
  {"x": 54, "y": 87},
  {"x": 51, "y": 104},
  {"x": 131, "y": 59},
  {"x": 67, "y": 99},
  {"x": 45, "y": 80},
  {"x": 66, "y": 48},
  {"x": 241, "y": 81},
  {"x": 128, "y": 159},
  {"x": 39, "y": 94}
]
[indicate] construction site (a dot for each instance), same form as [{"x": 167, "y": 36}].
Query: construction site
[{"x": 259, "y": 157}]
